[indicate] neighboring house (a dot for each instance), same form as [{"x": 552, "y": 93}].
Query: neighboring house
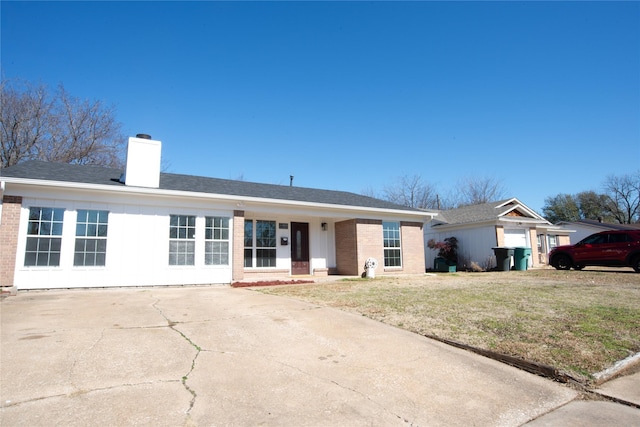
[
  {"x": 65, "y": 226},
  {"x": 480, "y": 228},
  {"x": 586, "y": 227}
]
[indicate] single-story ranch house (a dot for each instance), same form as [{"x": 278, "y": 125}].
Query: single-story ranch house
[
  {"x": 505, "y": 223},
  {"x": 66, "y": 225}
]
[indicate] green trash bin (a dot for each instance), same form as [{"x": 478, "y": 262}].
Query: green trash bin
[
  {"x": 521, "y": 258},
  {"x": 441, "y": 264},
  {"x": 503, "y": 258}
]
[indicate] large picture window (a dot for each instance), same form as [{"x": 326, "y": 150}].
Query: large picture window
[
  {"x": 182, "y": 243},
  {"x": 392, "y": 247},
  {"x": 91, "y": 238},
  {"x": 259, "y": 243},
  {"x": 44, "y": 237},
  {"x": 216, "y": 245}
]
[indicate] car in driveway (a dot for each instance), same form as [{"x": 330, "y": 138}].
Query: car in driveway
[{"x": 607, "y": 248}]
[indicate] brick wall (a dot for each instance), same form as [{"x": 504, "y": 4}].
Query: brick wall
[
  {"x": 346, "y": 248},
  {"x": 11, "y": 206},
  {"x": 359, "y": 239},
  {"x": 370, "y": 243},
  {"x": 412, "y": 247},
  {"x": 237, "y": 272}
]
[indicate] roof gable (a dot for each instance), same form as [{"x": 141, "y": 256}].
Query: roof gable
[{"x": 485, "y": 212}]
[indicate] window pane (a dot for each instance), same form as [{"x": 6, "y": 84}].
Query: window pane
[
  {"x": 55, "y": 244},
  {"x": 248, "y": 261},
  {"x": 82, "y": 215},
  {"x": 45, "y": 229},
  {"x": 101, "y": 259},
  {"x": 30, "y": 259},
  {"x": 46, "y": 214},
  {"x": 248, "y": 233},
  {"x": 58, "y": 215},
  {"x": 32, "y": 244},
  {"x": 54, "y": 259},
  {"x": 42, "y": 260},
  {"x": 78, "y": 259},
  {"x": 34, "y": 228}
]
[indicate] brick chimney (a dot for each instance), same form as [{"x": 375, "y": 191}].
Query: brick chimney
[{"x": 143, "y": 162}]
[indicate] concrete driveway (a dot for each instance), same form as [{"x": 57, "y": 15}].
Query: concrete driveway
[{"x": 201, "y": 356}]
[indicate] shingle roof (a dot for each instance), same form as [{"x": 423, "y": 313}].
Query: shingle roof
[
  {"x": 602, "y": 225},
  {"x": 98, "y": 175},
  {"x": 477, "y": 213}
]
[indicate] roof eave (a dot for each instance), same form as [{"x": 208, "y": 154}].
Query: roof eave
[{"x": 425, "y": 216}]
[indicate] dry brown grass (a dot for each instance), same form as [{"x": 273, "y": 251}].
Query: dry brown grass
[{"x": 579, "y": 322}]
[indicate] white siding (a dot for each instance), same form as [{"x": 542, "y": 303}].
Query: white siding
[
  {"x": 137, "y": 249},
  {"x": 474, "y": 244}
]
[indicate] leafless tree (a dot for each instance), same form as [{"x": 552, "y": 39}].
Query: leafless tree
[
  {"x": 24, "y": 113},
  {"x": 57, "y": 127},
  {"x": 623, "y": 197},
  {"x": 472, "y": 190},
  {"x": 413, "y": 192}
]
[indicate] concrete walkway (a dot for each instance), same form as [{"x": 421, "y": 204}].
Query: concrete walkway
[{"x": 201, "y": 356}]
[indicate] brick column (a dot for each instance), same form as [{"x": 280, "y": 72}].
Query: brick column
[
  {"x": 370, "y": 243},
  {"x": 10, "y": 222},
  {"x": 346, "y": 248},
  {"x": 412, "y": 247},
  {"x": 237, "y": 272}
]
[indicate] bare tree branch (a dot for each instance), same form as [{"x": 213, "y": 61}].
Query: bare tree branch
[
  {"x": 57, "y": 128},
  {"x": 411, "y": 191}
]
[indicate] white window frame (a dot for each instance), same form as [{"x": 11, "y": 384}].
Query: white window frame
[
  {"x": 182, "y": 240},
  {"x": 216, "y": 240},
  {"x": 91, "y": 230},
  {"x": 391, "y": 234},
  {"x": 44, "y": 236}
]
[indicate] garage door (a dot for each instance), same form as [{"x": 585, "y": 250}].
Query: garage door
[{"x": 515, "y": 237}]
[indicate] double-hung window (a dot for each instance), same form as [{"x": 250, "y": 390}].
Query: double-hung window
[
  {"x": 259, "y": 243},
  {"x": 91, "y": 238},
  {"x": 182, "y": 239},
  {"x": 216, "y": 244},
  {"x": 44, "y": 237},
  {"x": 391, "y": 243}
]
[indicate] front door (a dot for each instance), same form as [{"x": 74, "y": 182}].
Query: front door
[{"x": 299, "y": 248}]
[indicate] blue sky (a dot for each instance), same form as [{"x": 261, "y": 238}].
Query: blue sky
[{"x": 542, "y": 96}]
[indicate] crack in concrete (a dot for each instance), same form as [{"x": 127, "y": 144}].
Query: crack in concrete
[
  {"x": 344, "y": 387},
  {"x": 172, "y": 326},
  {"x": 78, "y": 392},
  {"x": 82, "y": 355}
]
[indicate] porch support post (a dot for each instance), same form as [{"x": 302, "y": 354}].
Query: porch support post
[{"x": 237, "y": 272}]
